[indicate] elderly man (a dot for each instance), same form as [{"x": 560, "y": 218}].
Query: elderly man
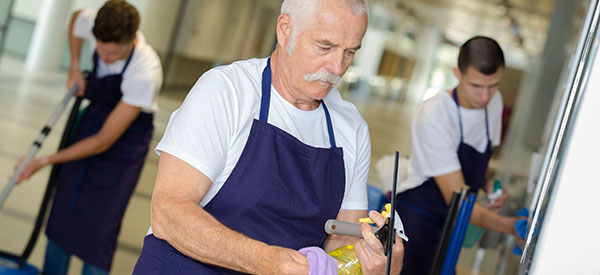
[{"x": 262, "y": 152}]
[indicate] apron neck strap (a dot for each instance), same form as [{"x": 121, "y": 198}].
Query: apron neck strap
[
  {"x": 329, "y": 125},
  {"x": 95, "y": 62},
  {"x": 266, "y": 92},
  {"x": 266, "y": 101},
  {"x": 128, "y": 60},
  {"x": 487, "y": 130}
]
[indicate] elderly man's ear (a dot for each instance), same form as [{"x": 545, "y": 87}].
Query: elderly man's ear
[{"x": 284, "y": 29}]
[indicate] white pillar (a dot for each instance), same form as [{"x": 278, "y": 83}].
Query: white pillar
[
  {"x": 368, "y": 59},
  {"x": 49, "y": 36},
  {"x": 426, "y": 47},
  {"x": 369, "y": 56}
]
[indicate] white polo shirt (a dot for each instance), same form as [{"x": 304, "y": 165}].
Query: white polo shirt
[
  {"x": 142, "y": 79},
  {"x": 436, "y": 136},
  {"x": 210, "y": 129}
]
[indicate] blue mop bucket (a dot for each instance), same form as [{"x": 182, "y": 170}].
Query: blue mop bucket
[
  {"x": 11, "y": 266},
  {"x": 376, "y": 198}
]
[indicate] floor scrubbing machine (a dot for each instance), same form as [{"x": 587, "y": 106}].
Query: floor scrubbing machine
[{"x": 13, "y": 264}]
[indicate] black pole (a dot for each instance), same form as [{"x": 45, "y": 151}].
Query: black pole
[{"x": 392, "y": 229}]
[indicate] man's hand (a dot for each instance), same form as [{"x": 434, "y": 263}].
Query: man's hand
[
  {"x": 497, "y": 204},
  {"x": 370, "y": 250},
  {"x": 30, "y": 168},
  {"x": 76, "y": 77},
  {"x": 520, "y": 239},
  {"x": 279, "y": 260}
]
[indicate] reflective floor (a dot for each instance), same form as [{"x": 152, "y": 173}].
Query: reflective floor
[{"x": 26, "y": 102}]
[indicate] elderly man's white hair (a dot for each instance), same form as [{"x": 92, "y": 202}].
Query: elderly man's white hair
[{"x": 301, "y": 13}]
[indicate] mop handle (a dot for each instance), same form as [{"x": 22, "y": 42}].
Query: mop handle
[{"x": 37, "y": 143}]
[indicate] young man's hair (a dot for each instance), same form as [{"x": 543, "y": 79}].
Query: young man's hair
[
  {"x": 482, "y": 53},
  {"x": 117, "y": 21}
]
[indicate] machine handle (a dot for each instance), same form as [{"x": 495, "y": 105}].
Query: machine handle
[{"x": 345, "y": 228}]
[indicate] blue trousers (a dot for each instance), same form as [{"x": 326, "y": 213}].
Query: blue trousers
[{"x": 57, "y": 262}]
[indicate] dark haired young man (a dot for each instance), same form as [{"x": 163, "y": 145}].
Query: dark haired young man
[
  {"x": 103, "y": 163},
  {"x": 452, "y": 138}
]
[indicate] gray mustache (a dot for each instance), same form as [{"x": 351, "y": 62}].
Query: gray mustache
[{"x": 325, "y": 77}]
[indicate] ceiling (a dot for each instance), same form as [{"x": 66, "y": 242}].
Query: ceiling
[{"x": 520, "y": 26}]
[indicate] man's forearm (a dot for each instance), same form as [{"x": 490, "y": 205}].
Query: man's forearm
[
  {"x": 177, "y": 218},
  {"x": 196, "y": 234},
  {"x": 488, "y": 219}
]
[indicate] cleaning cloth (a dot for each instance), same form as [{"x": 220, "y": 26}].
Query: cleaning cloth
[
  {"x": 319, "y": 261},
  {"x": 521, "y": 228}
]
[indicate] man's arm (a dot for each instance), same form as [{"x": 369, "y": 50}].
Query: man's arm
[
  {"x": 177, "y": 218},
  {"x": 75, "y": 45},
  {"x": 114, "y": 126},
  {"x": 481, "y": 216}
]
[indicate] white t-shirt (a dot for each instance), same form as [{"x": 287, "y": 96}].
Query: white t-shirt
[
  {"x": 436, "y": 136},
  {"x": 142, "y": 78},
  {"x": 210, "y": 129}
]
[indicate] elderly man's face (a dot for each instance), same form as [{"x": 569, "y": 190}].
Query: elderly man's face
[{"x": 325, "y": 49}]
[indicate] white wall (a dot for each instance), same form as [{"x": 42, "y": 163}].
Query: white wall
[
  {"x": 569, "y": 242},
  {"x": 26, "y": 9},
  {"x": 29, "y": 9},
  {"x": 227, "y": 29},
  {"x": 158, "y": 23},
  {"x": 140, "y": 5}
]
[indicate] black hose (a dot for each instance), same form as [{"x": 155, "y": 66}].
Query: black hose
[{"x": 51, "y": 187}]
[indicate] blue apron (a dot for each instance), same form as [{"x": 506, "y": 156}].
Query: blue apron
[
  {"x": 423, "y": 208},
  {"x": 280, "y": 192},
  {"x": 92, "y": 193}
]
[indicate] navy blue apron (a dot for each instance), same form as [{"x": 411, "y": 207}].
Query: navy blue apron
[
  {"x": 280, "y": 192},
  {"x": 92, "y": 193},
  {"x": 423, "y": 208}
]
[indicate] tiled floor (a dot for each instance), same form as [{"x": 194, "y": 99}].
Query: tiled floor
[{"x": 26, "y": 102}]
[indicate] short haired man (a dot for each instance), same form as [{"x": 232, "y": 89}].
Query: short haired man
[
  {"x": 452, "y": 138},
  {"x": 262, "y": 152},
  {"x": 103, "y": 163}
]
